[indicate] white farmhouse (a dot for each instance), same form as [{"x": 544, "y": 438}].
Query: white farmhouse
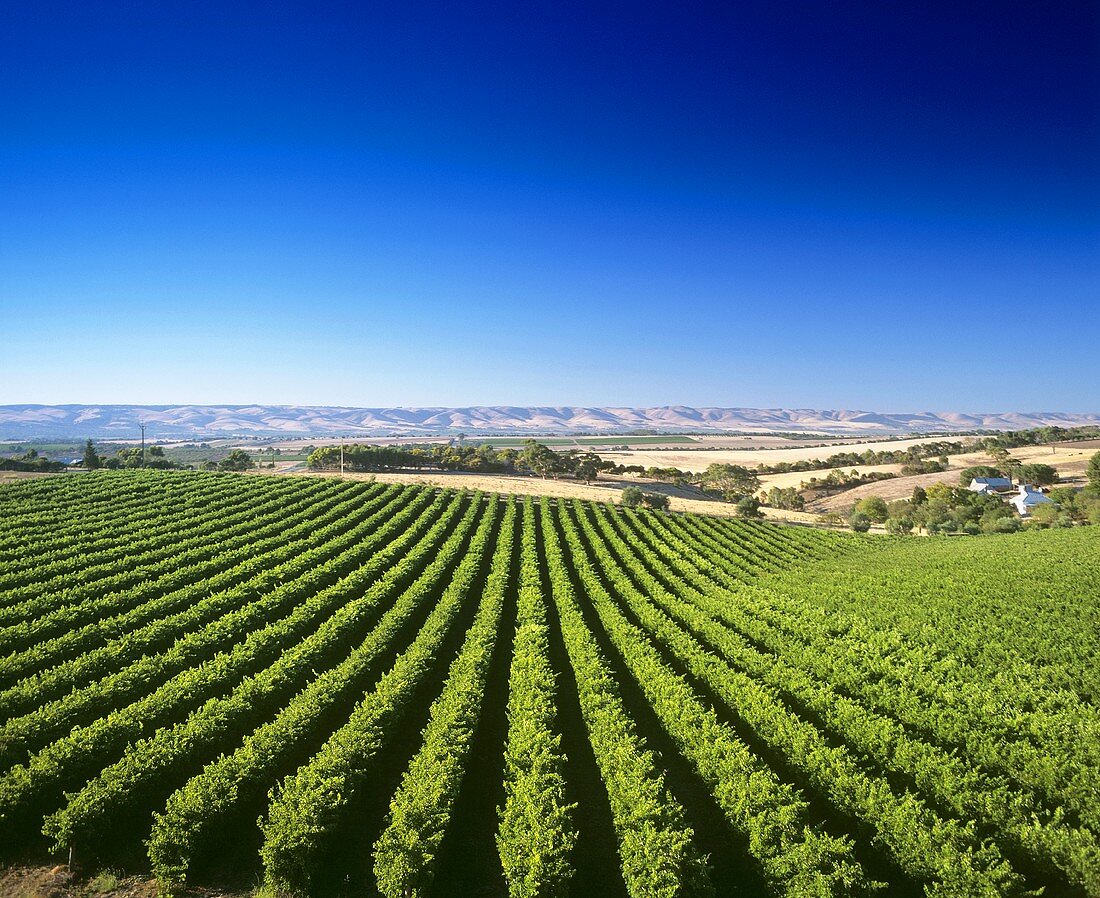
[
  {"x": 1027, "y": 499},
  {"x": 990, "y": 484}
]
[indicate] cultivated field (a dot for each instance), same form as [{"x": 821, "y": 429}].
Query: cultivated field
[{"x": 345, "y": 687}]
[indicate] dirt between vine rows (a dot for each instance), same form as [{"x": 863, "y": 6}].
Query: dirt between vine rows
[{"x": 56, "y": 882}]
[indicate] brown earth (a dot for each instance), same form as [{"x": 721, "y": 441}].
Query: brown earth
[{"x": 56, "y": 882}]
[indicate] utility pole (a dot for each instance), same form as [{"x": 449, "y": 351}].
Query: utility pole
[{"x": 141, "y": 424}]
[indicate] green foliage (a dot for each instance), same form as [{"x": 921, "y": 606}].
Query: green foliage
[
  {"x": 184, "y": 652},
  {"x": 748, "y": 507},
  {"x": 732, "y": 482},
  {"x": 656, "y": 501},
  {"x": 1040, "y": 475},
  {"x": 899, "y": 526},
  {"x": 859, "y": 522},
  {"x": 632, "y": 497},
  {"x": 1093, "y": 471},
  {"x": 788, "y": 498},
  {"x": 91, "y": 460},
  {"x": 874, "y": 508},
  {"x": 237, "y": 460}
]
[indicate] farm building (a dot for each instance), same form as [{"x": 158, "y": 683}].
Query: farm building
[
  {"x": 1028, "y": 498},
  {"x": 990, "y": 484}
]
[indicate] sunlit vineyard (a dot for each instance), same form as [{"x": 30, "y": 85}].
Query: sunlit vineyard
[{"x": 325, "y": 687}]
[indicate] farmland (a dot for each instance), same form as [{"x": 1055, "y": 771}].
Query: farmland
[{"x": 333, "y": 686}]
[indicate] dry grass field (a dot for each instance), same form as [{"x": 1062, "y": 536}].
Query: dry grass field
[{"x": 682, "y": 499}]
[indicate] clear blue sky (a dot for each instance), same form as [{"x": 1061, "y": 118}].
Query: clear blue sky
[{"x": 862, "y": 204}]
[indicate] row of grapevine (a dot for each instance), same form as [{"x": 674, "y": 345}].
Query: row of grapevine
[
  {"x": 47, "y": 613},
  {"x": 795, "y": 857},
  {"x": 536, "y": 834},
  {"x": 329, "y": 544},
  {"x": 656, "y": 847},
  {"x": 195, "y": 810},
  {"x": 311, "y": 805},
  {"x": 36, "y": 787},
  {"x": 945, "y": 852},
  {"x": 125, "y": 533},
  {"x": 149, "y": 769},
  {"x": 405, "y": 854}
]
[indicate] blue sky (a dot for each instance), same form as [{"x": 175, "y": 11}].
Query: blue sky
[{"x": 866, "y": 205}]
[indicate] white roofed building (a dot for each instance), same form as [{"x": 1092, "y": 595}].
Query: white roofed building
[
  {"x": 990, "y": 484},
  {"x": 1027, "y": 498}
]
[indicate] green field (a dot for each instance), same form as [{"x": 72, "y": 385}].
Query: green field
[{"x": 352, "y": 688}]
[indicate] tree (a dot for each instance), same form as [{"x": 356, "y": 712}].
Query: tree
[
  {"x": 859, "y": 522},
  {"x": 899, "y": 526},
  {"x": 1093, "y": 471},
  {"x": 732, "y": 481},
  {"x": 874, "y": 507},
  {"x": 1041, "y": 475},
  {"x": 237, "y": 460},
  {"x": 632, "y": 497},
  {"x": 91, "y": 459},
  {"x": 748, "y": 507},
  {"x": 920, "y": 495},
  {"x": 539, "y": 459},
  {"x": 587, "y": 467},
  {"x": 656, "y": 501}
]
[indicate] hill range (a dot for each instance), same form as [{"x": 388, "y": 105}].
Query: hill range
[{"x": 192, "y": 421}]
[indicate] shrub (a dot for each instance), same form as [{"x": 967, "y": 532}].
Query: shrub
[{"x": 859, "y": 522}]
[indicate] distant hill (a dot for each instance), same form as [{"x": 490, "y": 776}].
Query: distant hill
[{"x": 191, "y": 421}]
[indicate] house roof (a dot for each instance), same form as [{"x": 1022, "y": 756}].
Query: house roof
[{"x": 997, "y": 482}]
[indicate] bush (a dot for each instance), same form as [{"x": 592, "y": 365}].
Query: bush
[
  {"x": 874, "y": 507},
  {"x": 632, "y": 497},
  {"x": 656, "y": 501},
  {"x": 859, "y": 522},
  {"x": 899, "y": 526},
  {"x": 1001, "y": 525},
  {"x": 748, "y": 507}
]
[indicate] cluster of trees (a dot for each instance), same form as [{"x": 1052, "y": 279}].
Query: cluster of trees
[
  {"x": 237, "y": 460},
  {"x": 30, "y": 461},
  {"x": 533, "y": 458},
  {"x": 1038, "y": 436},
  {"x": 838, "y": 480},
  {"x": 924, "y": 466},
  {"x": 129, "y": 457},
  {"x": 780, "y": 497},
  {"x": 942, "y": 508},
  {"x": 911, "y": 455}
]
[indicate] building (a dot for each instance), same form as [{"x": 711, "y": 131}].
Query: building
[
  {"x": 991, "y": 484},
  {"x": 1027, "y": 498}
]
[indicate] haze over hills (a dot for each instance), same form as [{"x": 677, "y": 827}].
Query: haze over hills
[{"x": 192, "y": 421}]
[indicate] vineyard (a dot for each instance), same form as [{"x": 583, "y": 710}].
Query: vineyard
[{"x": 320, "y": 687}]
